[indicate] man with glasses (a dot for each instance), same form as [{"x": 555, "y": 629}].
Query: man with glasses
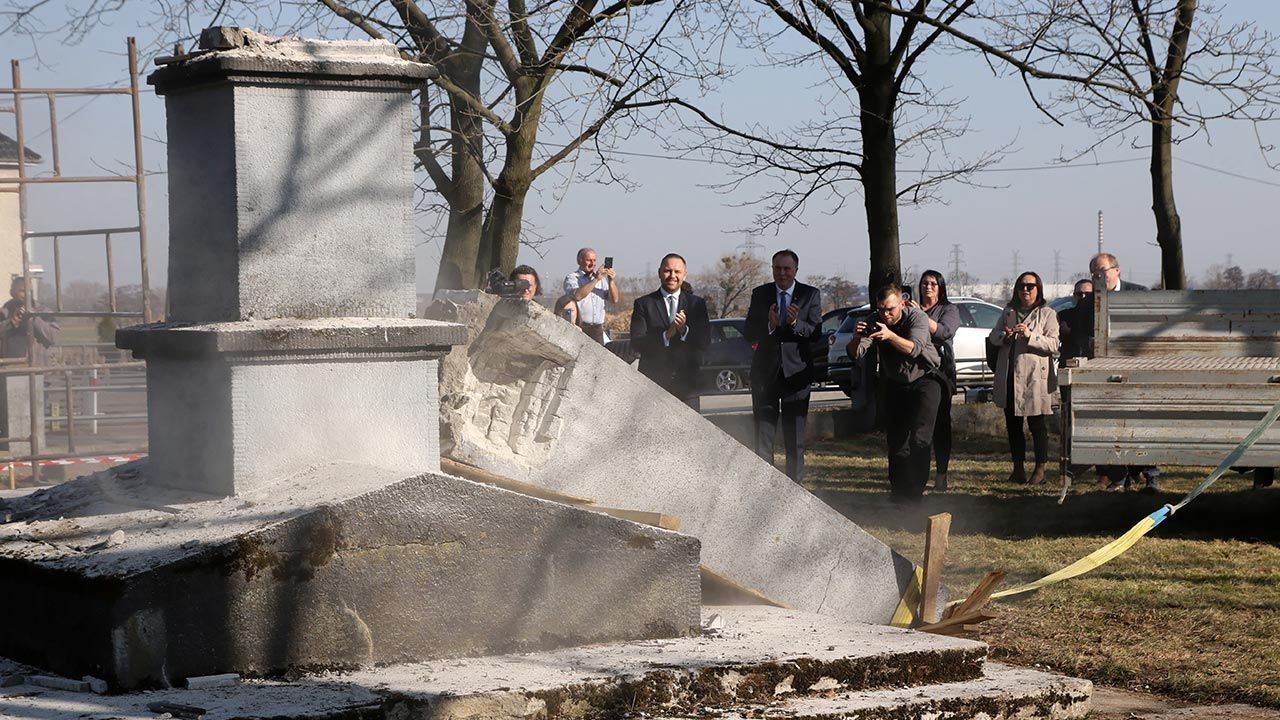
[
  {"x": 1106, "y": 269},
  {"x": 912, "y": 390},
  {"x": 1106, "y": 265},
  {"x": 1075, "y": 325},
  {"x": 781, "y": 321}
]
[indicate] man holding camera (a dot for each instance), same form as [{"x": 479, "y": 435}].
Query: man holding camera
[
  {"x": 908, "y": 362},
  {"x": 591, "y": 287},
  {"x": 670, "y": 330},
  {"x": 781, "y": 319}
]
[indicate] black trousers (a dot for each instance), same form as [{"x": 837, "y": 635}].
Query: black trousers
[
  {"x": 942, "y": 434},
  {"x": 910, "y": 412},
  {"x": 1018, "y": 442},
  {"x": 771, "y": 402}
]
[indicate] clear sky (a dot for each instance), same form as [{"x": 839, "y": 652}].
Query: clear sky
[{"x": 1033, "y": 212}]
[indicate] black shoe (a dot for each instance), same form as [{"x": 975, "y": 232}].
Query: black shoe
[
  {"x": 1117, "y": 486},
  {"x": 940, "y": 483}
]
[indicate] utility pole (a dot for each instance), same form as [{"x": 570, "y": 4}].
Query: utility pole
[
  {"x": 1016, "y": 264},
  {"x": 750, "y": 245},
  {"x": 1099, "y": 231},
  {"x": 1057, "y": 266}
]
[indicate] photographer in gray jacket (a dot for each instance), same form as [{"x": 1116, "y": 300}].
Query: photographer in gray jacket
[{"x": 909, "y": 363}]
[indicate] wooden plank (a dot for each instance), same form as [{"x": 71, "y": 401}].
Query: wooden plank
[
  {"x": 720, "y": 590},
  {"x": 982, "y": 594},
  {"x": 956, "y": 623},
  {"x": 935, "y": 555},
  {"x": 658, "y": 520},
  {"x": 470, "y": 472}
]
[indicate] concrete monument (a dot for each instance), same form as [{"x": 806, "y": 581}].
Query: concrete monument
[{"x": 291, "y": 513}]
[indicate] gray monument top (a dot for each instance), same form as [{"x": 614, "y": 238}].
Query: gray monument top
[{"x": 231, "y": 53}]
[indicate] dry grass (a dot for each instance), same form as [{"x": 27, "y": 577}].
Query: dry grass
[{"x": 1192, "y": 611}]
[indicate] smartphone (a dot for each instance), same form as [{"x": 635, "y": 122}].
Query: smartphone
[{"x": 608, "y": 261}]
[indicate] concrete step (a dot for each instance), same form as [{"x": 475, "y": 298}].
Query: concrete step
[
  {"x": 1002, "y": 693},
  {"x": 762, "y": 655}
]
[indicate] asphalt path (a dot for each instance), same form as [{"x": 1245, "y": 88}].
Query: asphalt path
[{"x": 741, "y": 401}]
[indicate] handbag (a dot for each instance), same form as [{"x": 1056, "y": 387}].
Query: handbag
[{"x": 993, "y": 354}]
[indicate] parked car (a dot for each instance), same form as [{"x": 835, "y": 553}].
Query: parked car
[
  {"x": 831, "y": 320},
  {"x": 977, "y": 317},
  {"x": 726, "y": 366}
]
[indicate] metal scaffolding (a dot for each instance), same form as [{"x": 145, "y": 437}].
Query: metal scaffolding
[{"x": 21, "y": 185}]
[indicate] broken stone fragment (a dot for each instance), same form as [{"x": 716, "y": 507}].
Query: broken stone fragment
[{"x": 222, "y": 38}]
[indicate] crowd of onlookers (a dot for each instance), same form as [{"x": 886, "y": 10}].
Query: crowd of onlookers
[{"x": 909, "y": 339}]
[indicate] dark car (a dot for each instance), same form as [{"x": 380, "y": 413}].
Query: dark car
[
  {"x": 727, "y": 363},
  {"x": 831, "y": 320}
]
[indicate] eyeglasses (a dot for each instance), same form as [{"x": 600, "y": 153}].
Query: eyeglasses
[{"x": 1026, "y": 286}]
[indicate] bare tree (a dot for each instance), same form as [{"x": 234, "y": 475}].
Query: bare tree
[
  {"x": 878, "y": 111},
  {"x": 1154, "y": 73},
  {"x": 837, "y": 291},
  {"x": 727, "y": 285},
  {"x": 521, "y": 89},
  {"x": 1262, "y": 279}
]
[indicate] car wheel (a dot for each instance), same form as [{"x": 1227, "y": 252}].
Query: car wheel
[{"x": 728, "y": 381}]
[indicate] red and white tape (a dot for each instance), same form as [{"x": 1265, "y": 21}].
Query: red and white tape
[{"x": 88, "y": 460}]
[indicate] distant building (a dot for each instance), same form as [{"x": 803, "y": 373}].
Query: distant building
[{"x": 10, "y": 228}]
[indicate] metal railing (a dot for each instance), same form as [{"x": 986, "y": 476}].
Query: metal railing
[{"x": 21, "y": 185}]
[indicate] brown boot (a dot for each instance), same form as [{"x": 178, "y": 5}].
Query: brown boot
[
  {"x": 1019, "y": 475},
  {"x": 1037, "y": 475}
]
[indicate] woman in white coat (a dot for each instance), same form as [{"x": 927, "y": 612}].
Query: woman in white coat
[{"x": 1027, "y": 336}]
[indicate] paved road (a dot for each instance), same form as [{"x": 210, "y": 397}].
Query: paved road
[{"x": 741, "y": 401}]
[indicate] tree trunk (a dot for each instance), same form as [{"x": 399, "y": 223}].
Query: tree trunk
[
  {"x": 466, "y": 206},
  {"x": 463, "y": 234},
  {"x": 500, "y": 245},
  {"x": 880, "y": 182},
  {"x": 1168, "y": 224}
]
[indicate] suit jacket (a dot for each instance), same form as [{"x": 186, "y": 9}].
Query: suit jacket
[
  {"x": 675, "y": 365},
  {"x": 787, "y": 348},
  {"x": 1132, "y": 287}
]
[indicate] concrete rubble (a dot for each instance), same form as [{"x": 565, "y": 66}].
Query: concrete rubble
[
  {"x": 532, "y": 398},
  {"x": 768, "y": 662}
]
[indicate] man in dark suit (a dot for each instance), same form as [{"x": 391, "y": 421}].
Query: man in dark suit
[
  {"x": 1106, "y": 274},
  {"x": 670, "y": 330},
  {"x": 780, "y": 322}
]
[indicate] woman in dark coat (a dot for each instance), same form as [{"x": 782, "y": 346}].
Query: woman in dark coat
[{"x": 944, "y": 320}]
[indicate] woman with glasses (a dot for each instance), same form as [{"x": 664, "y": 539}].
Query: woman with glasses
[
  {"x": 944, "y": 320},
  {"x": 1027, "y": 336}
]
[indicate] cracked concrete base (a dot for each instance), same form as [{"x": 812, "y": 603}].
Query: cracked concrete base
[
  {"x": 534, "y": 399},
  {"x": 764, "y": 657},
  {"x": 342, "y": 565}
]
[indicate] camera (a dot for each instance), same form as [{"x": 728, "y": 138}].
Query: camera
[
  {"x": 869, "y": 327},
  {"x": 499, "y": 285}
]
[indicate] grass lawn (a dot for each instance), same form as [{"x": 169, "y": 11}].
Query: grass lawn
[{"x": 1192, "y": 611}]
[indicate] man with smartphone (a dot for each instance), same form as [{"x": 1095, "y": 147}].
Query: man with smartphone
[
  {"x": 899, "y": 334},
  {"x": 591, "y": 287}
]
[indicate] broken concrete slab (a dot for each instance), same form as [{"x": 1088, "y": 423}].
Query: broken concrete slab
[
  {"x": 760, "y": 653},
  {"x": 344, "y": 565},
  {"x": 1002, "y": 693},
  {"x": 532, "y": 398}
]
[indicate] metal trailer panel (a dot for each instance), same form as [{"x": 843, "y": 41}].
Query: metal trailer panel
[
  {"x": 1204, "y": 323},
  {"x": 1171, "y": 410}
]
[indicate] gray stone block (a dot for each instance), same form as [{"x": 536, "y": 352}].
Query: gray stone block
[
  {"x": 342, "y": 566},
  {"x": 290, "y": 181},
  {"x": 236, "y": 405},
  {"x": 534, "y": 399}
]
